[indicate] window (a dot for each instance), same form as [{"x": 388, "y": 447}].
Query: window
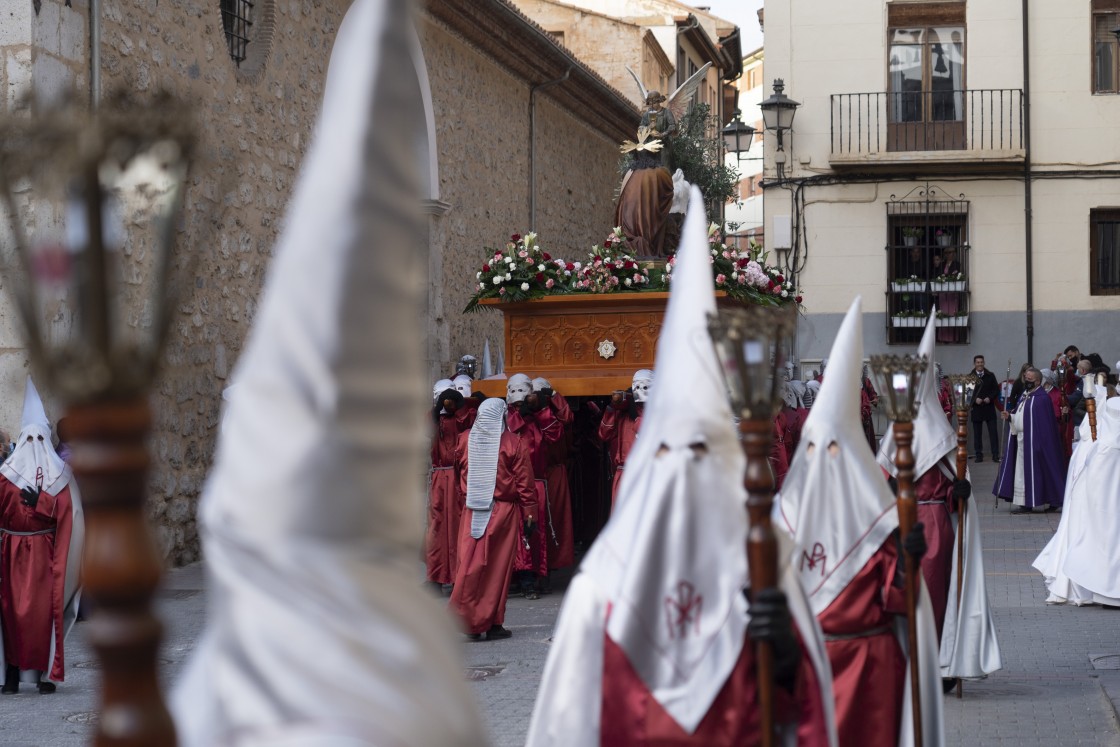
[
  {"x": 1106, "y": 52},
  {"x": 1104, "y": 252},
  {"x": 927, "y": 268},
  {"x": 925, "y": 68},
  {"x": 237, "y": 20}
]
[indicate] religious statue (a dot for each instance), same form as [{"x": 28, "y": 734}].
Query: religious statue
[{"x": 646, "y": 196}]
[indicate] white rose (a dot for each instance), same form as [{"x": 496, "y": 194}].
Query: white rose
[
  {"x": 785, "y": 294},
  {"x": 482, "y": 286},
  {"x": 524, "y": 286},
  {"x": 628, "y": 281},
  {"x": 498, "y": 280},
  {"x": 540, "y": 268},
  {"x": 478, "y": 276},
  {"x": 509, "y": 260},
  {"x": 509, "y": 276}
]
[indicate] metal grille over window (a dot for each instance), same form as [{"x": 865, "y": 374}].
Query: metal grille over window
[
  {"x": 927, "y": 266},
  {"x": 1104, "y": 252},
  {"x": 237, "y": 20}
]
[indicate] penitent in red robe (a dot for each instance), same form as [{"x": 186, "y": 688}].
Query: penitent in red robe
[
  {"x": 934, "y": 493},
  {"x": 538, "y": 430},
  {"x": 868, "y": 665},
  {"x": 561, "y": 535},
  {"x": 779, "y": 452},
  {"x": 631, "y": 716},
  {"x": 445, "y": 501},
  {"x": 1065, "y": 422},
  {"x": 618, "y": 431},
  {"x": 33, "y": 578},
  {"x": 486, "y": 564}
]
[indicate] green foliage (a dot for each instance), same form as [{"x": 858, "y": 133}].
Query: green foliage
[{"x": 697, "y": 150}]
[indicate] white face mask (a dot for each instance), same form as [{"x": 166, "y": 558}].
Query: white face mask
[
  {"x": 541, "y": 383},
  {"x": 439, "y": 388},
  {"x": 641, "y": 384},
  {"x": 462, "y": 384},
  {"x": 518, "y": 388}
]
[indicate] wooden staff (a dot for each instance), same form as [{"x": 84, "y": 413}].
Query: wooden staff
[
  {"x": 907, "y": 518},
  {"x": 962, "y": 510},
  {"x": 762, "y": 553},
  {"x": 120, "y": 569},
  {"x": 1091, "y": 412}
]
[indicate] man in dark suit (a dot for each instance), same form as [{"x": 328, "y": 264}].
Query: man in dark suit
[{"x": 984, "y": 408}]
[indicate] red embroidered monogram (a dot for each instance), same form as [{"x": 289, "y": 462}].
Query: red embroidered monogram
[{"x": 683, "y": 613}]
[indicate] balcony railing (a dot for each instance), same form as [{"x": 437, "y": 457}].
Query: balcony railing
[{"x": 975, "y": 123}]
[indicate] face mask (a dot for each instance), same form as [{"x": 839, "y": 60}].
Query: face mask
[{"x": 518, "y": 388}]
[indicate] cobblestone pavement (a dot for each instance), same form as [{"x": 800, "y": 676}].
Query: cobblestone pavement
[{"x": 1048, "y": 693}]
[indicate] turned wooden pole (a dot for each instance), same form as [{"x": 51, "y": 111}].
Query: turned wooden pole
[
  {"x": 762, "y": 553},
  {"x": 121, "y": 569},
  {"x": 962, "y": 512},
  {"x": 907, "y": 518},
  {"x": 1091, "y": 413}
]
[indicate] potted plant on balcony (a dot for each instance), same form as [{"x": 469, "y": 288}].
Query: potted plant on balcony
[
  {"x": 910, "y": 235},
  {"x": 943, "y": 237},
  {"x": 912, "y": 284},
  {"x": 946, "y": 283},
  {"x": 952, "y": 320}
]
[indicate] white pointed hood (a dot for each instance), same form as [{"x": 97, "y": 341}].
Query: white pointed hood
[
  {"x": 671, "y": 561},
  {"x": 317, "y": 631},
  {"x": 934, "y": 438},
  {"x": 34, "y": 462},
  {"x": 834, "y": 500}
]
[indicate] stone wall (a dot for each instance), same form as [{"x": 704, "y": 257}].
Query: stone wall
[{"x": 482, "y": 140}]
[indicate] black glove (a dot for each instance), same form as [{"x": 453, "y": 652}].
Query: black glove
[
  {"x": 546, "y": 391},
  {"x": 962, "y": 489},
  {"x": 771, "y": 623},
  {"x": 479, "y": 396},
  {"x": 915, "y": 542},
  {"x": 30, "y": 496}
]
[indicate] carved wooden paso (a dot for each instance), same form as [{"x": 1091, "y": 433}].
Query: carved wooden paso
[
  {"x": 907, "y": 517},
  {"x": 121, "y": 569},
  {"x": 762, "y": 553}
]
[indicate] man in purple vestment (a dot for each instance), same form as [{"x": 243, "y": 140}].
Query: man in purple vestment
[{"x": 1032, "y": 472}]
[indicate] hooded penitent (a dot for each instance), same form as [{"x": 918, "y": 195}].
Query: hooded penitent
[
  {"x": 440, "y": 387},
  {"x": 317, "y": 630},
  {"x": 40, "y": 548},
  {"x": 840, "y": 511},
  {"x": 482, "y": 451},
  {"x": 518, "y": 388},
  {"x": 641, "y": 383},
  {"x": 662, "y": 585},
  {"x": 462, "y": 384}
]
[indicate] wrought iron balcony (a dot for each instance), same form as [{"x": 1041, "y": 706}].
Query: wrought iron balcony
[{"x": 948, "y": 126}]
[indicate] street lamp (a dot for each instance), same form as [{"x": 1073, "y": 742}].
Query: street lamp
[
  {"x": 749, "y": 341},
  {"x": 778, "y": 111},
  {"x": 898, "y": 379},
  {"x": 92, "y": 200},
  {"x": 737, "y": 136}
]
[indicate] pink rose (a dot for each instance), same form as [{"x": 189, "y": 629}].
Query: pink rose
[{"x": 721, "y": 279}]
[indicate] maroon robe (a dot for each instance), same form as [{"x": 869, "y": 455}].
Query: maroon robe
[
  {"x": 619, "y": 432},
  {"x": 561, "y": 535},
  {"x": 445, "y": 501},
  {"x": 865, "y": 418},
  {"x": 33, "y": 578},
  {"x": 631, "y": 716},
  {"x": 936, "y": 504},
  {"x": 868, "y": 665},
  {"x": 1065, "y": 422},
  {"x": 945, "y": 397},
  {"x": 486, "y": 564},
  {"x": 538, "y": 430},
  {"x": 779, "y": 452}
]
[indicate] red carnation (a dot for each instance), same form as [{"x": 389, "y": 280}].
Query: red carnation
[
  {"x": 797, "y": 299},
  {"x": 628, "y": 265},
  {"x": 770, "y": 285},
  {"x": 486, "y": 268},
  {"x": 546, "y": 256},
  {"x": 780, "y": 279},
  {"x": 570, "y": 267},
  {"x": 540, "y": 277},
  {"x": 598, "y": 258},
  {"x": 515, "y": 238}
]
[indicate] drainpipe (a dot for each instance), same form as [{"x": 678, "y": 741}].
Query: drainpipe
[
  {"x": 95, "y": 53},
  {"x": 1027, "y": 215},
  {"x": 533, "y": 144}
]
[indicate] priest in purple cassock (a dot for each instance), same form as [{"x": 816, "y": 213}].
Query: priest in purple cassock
[{"x": 1032, "y": 473}]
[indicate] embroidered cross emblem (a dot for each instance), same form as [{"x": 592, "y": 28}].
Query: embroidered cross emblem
[
  {"x": 817, "y": 556},
  {"x": 683, "y": 613}
]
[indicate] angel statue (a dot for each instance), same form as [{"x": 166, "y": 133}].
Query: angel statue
[{"x": 646, "y": 195}]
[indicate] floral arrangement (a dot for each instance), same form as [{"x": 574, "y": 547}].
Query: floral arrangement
[
  {"x": 911, "y": 279},
  {"x": 744, "y": 274},
  {"x": 522, "y": 270},
  {"x": 917, "y": 313},
  {"x": 952, "y": 277},
  {"x": 610, "y": 268}
]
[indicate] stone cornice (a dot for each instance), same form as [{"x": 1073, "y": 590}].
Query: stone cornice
[{"x": 505, "y": 34}]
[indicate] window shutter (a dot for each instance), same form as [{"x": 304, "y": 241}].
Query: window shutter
[{"x": 905, "y": 15}]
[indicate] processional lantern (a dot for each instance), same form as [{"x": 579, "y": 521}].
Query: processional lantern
[
  {"x": 750, "y": 344},
  {"x": 898, "y": 379},
  {"x": 91, "y": 200}
]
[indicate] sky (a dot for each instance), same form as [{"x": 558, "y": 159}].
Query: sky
[{"x": 743, "y": 13}]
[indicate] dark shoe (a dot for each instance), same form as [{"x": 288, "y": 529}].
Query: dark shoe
[
  {"x": 996, "y": 458},
  {"x": 1020, "y": 510},
  {"x": 948, "y": 684},
  {"x": 11, "y": 680},
  {"x": 531, "y": 594},
  {"x": 545, "y": 587},
  {"x": 46, "y": 688},
  {"x": 474, "y": 636},
  {"x": 979, "y": 459},
  {"x": 498, "y": 632},
  {"x": 1050, "y": 508}
]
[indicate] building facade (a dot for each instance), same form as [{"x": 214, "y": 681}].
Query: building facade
[
  {"x": 519, "y": 134},
  {"x": 955, "y": 153},
  {"x": 744, "y": 217}
]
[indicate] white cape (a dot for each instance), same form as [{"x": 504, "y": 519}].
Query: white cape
[
  {"x": 969, "y": 647},
  {"x": 933, "y": 730}
]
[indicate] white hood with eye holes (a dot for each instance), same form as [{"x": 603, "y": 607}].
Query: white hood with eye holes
[{"x": 34, "y": 462}]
